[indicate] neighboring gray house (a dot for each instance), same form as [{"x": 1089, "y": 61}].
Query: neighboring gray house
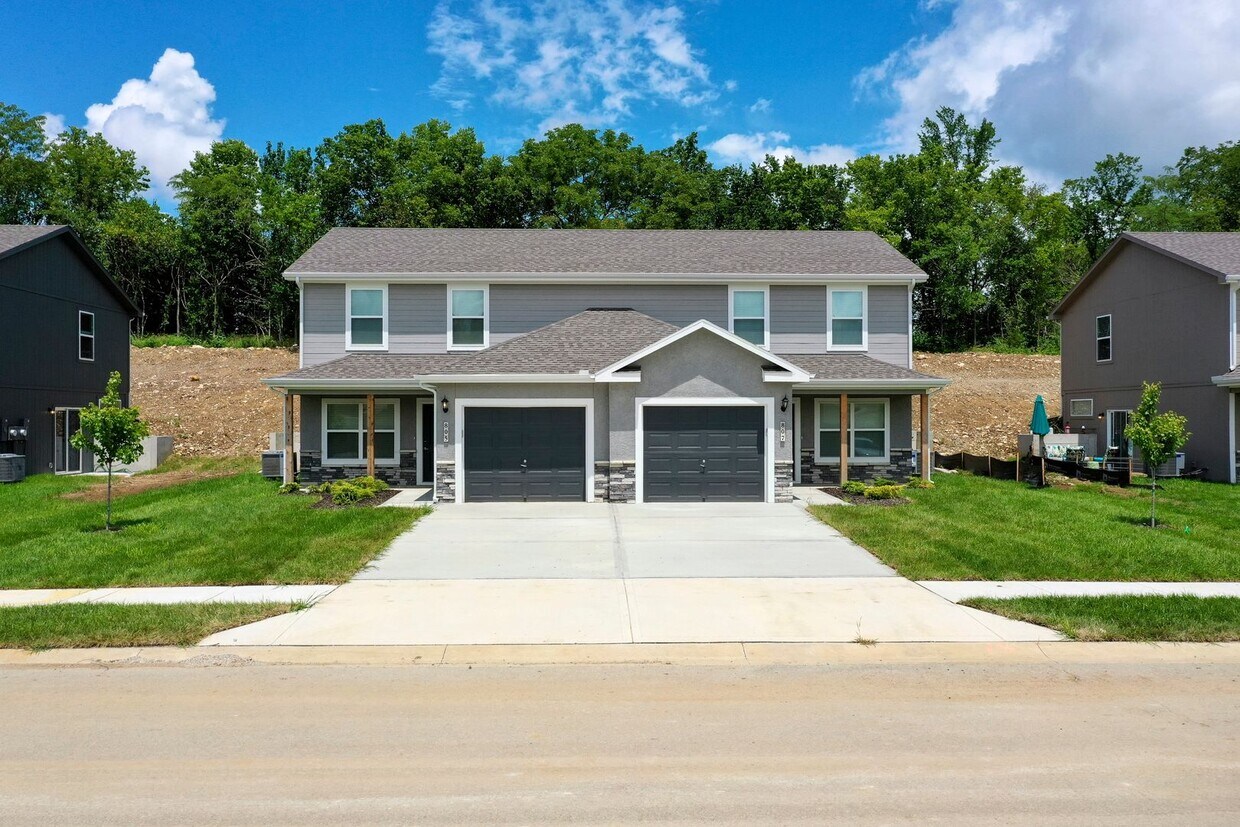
[
  {"x": 64, "y": 326},
  {"x": 605, "y": 364},
  {"x": 1157, "y": 307}
]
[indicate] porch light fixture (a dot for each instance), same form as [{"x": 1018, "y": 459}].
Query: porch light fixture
[
  {"x": 443, "y": 406},
  {"x": 783, "y": 404}
]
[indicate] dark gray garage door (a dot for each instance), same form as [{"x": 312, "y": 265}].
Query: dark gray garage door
[
  {"x": 703, "y": 454},
  {"x": 525, "y": 454}
]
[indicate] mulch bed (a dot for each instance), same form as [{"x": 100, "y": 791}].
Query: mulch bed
[
  {"x": 370, "y": 502},
  {"x": 861, "y": 499}
]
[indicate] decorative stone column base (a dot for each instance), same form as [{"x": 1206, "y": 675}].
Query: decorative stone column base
[
  {"x": 404, "y": 475},
  {"x": 899, "y": 467},
  {"x": 783, "y": 482},
  {"x": 445, "y": 481},
  {"x": 621, "y": 480}
]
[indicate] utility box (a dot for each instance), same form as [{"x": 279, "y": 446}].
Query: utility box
[
  {"x": 12, "y": 467},
  {"x": 273, "y": 465}
]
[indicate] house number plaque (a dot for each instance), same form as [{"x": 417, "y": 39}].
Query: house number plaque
[
  {"x": 445, "y": 432},
  {"x": 783, "y": 432}
]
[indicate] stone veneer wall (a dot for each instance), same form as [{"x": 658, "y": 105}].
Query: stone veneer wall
[
  {"x": 404, "y": 475},
  {"x": 783, "y": 482},
  {"x": 900, "y": 468},
  {"x": 619, "y": 480},
  {"x": 445, "y": 481}
]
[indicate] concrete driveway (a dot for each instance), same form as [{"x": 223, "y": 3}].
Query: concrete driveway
[{"x": 598, "y": 573}]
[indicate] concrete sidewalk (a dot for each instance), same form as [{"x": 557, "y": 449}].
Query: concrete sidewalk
[
  {"x": 957, "y": 590},
  {"x": 167, "y": 594}
]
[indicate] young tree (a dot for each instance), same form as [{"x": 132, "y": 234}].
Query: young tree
[
  {"x": 1157, "y": 435},
  {"x": 112, "y": 432}
]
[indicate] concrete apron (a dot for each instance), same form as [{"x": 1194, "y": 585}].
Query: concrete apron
[{"x": 530, "y": 574}]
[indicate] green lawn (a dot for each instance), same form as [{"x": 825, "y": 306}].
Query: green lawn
[
  {"x": 975, "y": 528},
  {"x": 1126, "y": 617},
  {"x": 79, "y": 625},
  {"x": 225, "y": 531}
]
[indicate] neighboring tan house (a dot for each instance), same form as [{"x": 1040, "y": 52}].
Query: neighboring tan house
[
  {"x": 1157, "y": 307},
  {"x": 64, "y": 326},
  {"x": 622, "y": 365}
]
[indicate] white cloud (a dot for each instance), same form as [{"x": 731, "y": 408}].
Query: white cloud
[
  {"x": 1066, "y": 82},
  {"x": 753, "y": 148},
  {"x": 53, "y": 125},
  {"x": 761, "y": 105},
  {"x": 566, "y": 60},
  {"x": 164, "y": 119}
]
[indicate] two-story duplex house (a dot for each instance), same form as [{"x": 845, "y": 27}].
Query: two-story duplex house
[
  {"x": 622, "y": 365},
  {"x": 64, "y": 327},
  {"x": 1157, "y": 307}
]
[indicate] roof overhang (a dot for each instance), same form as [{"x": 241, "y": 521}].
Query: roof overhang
[
  {"x": 418, "y": 382},
  {"x": 607, "y": 278},
  {"x": 794, "y": 373},
  {"x": 927, "y": 385},
  {"x": 1227, "y": 380}
]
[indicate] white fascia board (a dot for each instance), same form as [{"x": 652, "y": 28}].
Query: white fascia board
[
  {"x": 621, "y": 376},
  {"x": 1226, "y": 381},
  {"x": 612, "y": 278},
  {"x": 796, "y": 373},
  {"x": 780, "y": 376},
  {"x": 906, "y": 385},
  {"x": 416, "y": 383}
]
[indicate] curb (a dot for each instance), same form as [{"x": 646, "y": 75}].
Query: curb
[{"x": 677, "y": 654}]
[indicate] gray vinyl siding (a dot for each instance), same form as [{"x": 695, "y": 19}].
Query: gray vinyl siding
[
  {"x": 900, "y": 423},
  {"x": 312, "y": 419},
  {"x": 1170, "y": 323},
  {"x": 42, "y": 288},
  {"x": 798, "y": 319},
  {"x": 889, "y": 315},
  {"x": 520, "y": 308},
  {"x": 417, "y": 318},
  {"x": 322, "y": 323}
]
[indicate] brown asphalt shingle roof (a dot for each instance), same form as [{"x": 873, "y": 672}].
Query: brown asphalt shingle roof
[
  {"x": 15, "y": 235},
  {"x": 349, "y": 250},
  {"x": 1217, "y": 252},
  {"x": 851, "y": 366}
]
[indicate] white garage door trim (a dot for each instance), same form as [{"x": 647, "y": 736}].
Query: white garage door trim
[
  {"x": 459, "y": 429},
  {"x": 768, "y": 424}
]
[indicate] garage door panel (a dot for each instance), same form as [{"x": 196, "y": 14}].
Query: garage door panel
[
  {"x": 705, "y": 453},
  {"x": 522, "y": 454}
]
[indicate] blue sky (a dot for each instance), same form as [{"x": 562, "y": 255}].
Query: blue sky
[{"x": 1065, "y": 82}]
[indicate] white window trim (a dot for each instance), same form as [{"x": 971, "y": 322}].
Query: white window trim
[
  {"x": 1110, "y": 338},
  {"x": 1235, "y": 333},
  {"x": 765, "y": 290},
  {"x": 486, "y": 316},
  {"x": 359, "y": 461},
  {"x": 458, "y": 429},
  {"x": 90, "y": 335},
  {"x": 852, "y": 458},
  {"x": 767, "y": 403},
  {"x": 348, "y": 315},
  {"x": 1072, "y": 412},
  {"x": 865, "y": 316},
  {"x": 1132, "y": 449}
]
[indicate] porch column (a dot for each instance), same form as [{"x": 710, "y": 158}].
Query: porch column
[
  {"x": 843, "y": 438},
  {"x": 925, "y": 437},
  {"x": 370, "y": 434},
  {"x": 288, "y": 438}
]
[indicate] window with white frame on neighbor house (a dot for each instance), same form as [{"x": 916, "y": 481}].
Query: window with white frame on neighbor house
[
  {"x": 86, "y": 336},
  {"x": 846, "y": 328},
  {"x": 1102, "y": 333},
  {"x": 468, "y": 309},
  {"x": 367, "y": 327},
  {"x": 344, "y": 427}
]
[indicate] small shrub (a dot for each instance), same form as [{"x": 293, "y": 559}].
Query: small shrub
[
  {"x": 346, "y": 493},
  {"x": 883, "y": 481},
  {"x": 884, "y": 492},
  {"x": 855, "y": 487},
  {"x": 290, "y": 488},
  {"x": 918, "y": 482}
]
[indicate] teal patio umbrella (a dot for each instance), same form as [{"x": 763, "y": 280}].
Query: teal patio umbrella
[{"x": 1039, "y": 425}]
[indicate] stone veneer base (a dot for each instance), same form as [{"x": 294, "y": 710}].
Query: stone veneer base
[
  {"x": 404, "y": 475},
  {"x": 900, "y": 467}
]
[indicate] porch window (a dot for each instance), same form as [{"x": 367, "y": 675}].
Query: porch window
[
  {"x": 869, "y": 430},
  {"x": 846, "y": 327},
  {"x": 467, "y": 325},
  {"x": 748, "y": 315},
  {"x": 86, "y": 336},
  {"x": 367, "y": 327},
  {"x": 344, "y": 431},
  {"x": 1102, "y": 331}
]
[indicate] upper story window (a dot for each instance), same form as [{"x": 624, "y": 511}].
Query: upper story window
[
  {"x": 847, "y": 326},
  {"x": 367, "y": 327},
  {"x": 1102, "y": 333},
  {"x": 468, "y": 327},
  {"x": 86, "y": 336},
  {"x": 748, "y": 314}
]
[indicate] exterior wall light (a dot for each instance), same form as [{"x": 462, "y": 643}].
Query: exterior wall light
[
  {"x": 783, "y": 404},
  {"x": 444, "y": 405}
]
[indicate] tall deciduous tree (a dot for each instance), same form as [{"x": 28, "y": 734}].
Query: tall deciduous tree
[
  {"x": 1107, "y": 202},
  {"x": 23, "y": 176},
  {"x": 88, "y": 181}
]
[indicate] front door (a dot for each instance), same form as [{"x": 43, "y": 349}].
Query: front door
[
  {"x": 68, "y": 459},
  {"x": 1117, "y": 423},
  {"x": 426, "y": 445}
]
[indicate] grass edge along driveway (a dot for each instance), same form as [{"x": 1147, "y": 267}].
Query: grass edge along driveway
[
  {"x": 1179, "y": 618},
  {"x": 85, "y": 625},
  {"x": 230, "y": 530},
  {"x": 975, "y": 528}
]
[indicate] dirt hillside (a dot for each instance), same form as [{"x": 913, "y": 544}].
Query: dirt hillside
[{"x": 212, "y": 403}]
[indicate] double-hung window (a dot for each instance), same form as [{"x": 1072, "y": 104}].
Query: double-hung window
[
  {"x": 846, "y": 318},
  {"x": 869, "y": 430},
  {"x": 467, "y": 318},
  {"x": 367, "y": 327},
  {"x": 1102, "y": 336},
  {"x": 86, "y": 336},
  {"x": 344, "y": 431},
  {"x": 748, "y": 314}
]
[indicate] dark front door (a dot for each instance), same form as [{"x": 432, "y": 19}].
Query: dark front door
[
  {"x": 525, "y": 454},
  {"x": 427, "y": 445},
  {"x": 703, "y": 454}
]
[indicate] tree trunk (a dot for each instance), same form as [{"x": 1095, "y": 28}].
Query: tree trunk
[
  {"x": 1153, "y": 497},
  {"x": 107, "y": 521}
]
